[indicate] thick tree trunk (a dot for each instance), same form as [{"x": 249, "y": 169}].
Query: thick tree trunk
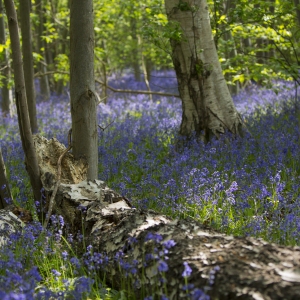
[
  {"x": 82, "y": 85},
  {"x": 28, "y": 62},
  {"x": 21, "y": 101},
  {"x": 44, "y": 80},
  {"x": 7, "y": 97},
  {"x": 226, "y": 267},
  {"x": 206, "y": 101},
  {"x": 5, "y": 194}
]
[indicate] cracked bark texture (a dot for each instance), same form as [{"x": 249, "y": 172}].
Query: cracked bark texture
[
  {"x": 82, "y": 85},
  {"x": 207, "y": 105},
  {"x": 249, "y": 268}
]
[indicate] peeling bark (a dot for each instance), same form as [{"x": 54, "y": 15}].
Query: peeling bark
[
  {"x": 207, "y": 105},
  {"x": 225, "y": 267},
  {"x": 9, "y": 223},
  {"x": 243, "y": 268}
]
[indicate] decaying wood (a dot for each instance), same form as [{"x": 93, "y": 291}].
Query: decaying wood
[
  {"x": 58, "y": 178},
  {"x": 9, "y": 223},
  {"x": 243, "y": 268},
  {"x": 226, "y": 267}
]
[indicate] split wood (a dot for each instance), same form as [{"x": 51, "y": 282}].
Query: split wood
[{"x": 51, "y": 202}]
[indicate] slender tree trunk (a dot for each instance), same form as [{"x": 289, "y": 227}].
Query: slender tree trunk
[
  {"x": 135, "y": 50},
  {"x": 7, "y": 97},
  {"x": 82, "y": 85},
  {"x": 259, "y": 45},
  {"x": 5, "y": 194},
  {"x": 61, "y": 44},
  {"x": 21, "y": 102},
  {"x": 28, "y": 62},
  {"x": 144, "y": 67},
  {"x": 207, "y": 105},
  {"x": 44, "y": 80},
  {"x": 103, "y": 71},
  {"x": 230, "y": 50},
  {"x": 297, "y": 6},
  {"x": 271, "y": 53}
]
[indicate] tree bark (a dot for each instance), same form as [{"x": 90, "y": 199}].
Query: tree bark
[
  {"x": 207, "y": 105},
  {"x": 82, "y": 85},
  {"x": 21, "y": 102},
  {"x": 230, "y": 48},
  {"x": 297, "y": 7},
  {"x": 226, "y": 267},
  {"x": 28, "y": 62},
  {"x": 44, "y": 81},
  {"x": 5, "y": 194},
  {"x": 6, "y": 91}
]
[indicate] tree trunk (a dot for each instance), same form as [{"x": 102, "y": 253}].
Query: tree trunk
[
  {"x": 6, "y": 91},
  {"x": 61, "y": 44},
  {"x": 82, "y": 85},
  {"x": 44, "y": 80},
  {"x": 103, "y": 72},
  {"x": 28, "y": 62},
  {"x": 297, "y": 6},
  {"x": 21, "y": 102},
  {"x": 5, "y": 194},
  {"x": 144, "y": 68},
  {"x": 207, "y": 105},
  {"x": 230, "y": 48},
  {"x": 135, "y": 50},
  {"x": 226, "y": 267}
]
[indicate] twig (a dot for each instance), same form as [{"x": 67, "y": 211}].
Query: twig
[
  {"x": 51, "y": 201},
  {"x": 103, "y": 128},
  {"x": 111, "y": 88},
  {"x": 136, "y": 91}
]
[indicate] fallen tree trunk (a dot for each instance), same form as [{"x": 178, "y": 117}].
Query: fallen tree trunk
[{"x": 156, "y": 252}]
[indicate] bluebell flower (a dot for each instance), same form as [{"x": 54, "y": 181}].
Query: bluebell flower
[
  {"x": 153, "y": 236},
  {"x": 187, "y": 270},
  {"x": 162, "y": 266},
  {"x": 169, "y": 244}
]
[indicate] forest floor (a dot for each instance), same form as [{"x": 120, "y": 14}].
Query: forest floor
[{"x": 241, "y": 186}]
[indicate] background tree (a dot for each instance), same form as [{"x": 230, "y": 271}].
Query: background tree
[
  {"x": 21, "y": 102},
  {"x": 28, "y": 62},
  {"x": 82, "y": 85},
  {"x": 6, "y": 91},
  {"x": 44, "y": 80}
]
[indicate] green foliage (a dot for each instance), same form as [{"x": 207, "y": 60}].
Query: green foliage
[{"x": 256, "y": 40}]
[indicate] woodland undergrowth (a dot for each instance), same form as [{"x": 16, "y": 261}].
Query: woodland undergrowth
[{"x": 242, "y": 186}]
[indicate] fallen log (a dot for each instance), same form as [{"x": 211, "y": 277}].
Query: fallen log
[{"x": 178, "y": 258}]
